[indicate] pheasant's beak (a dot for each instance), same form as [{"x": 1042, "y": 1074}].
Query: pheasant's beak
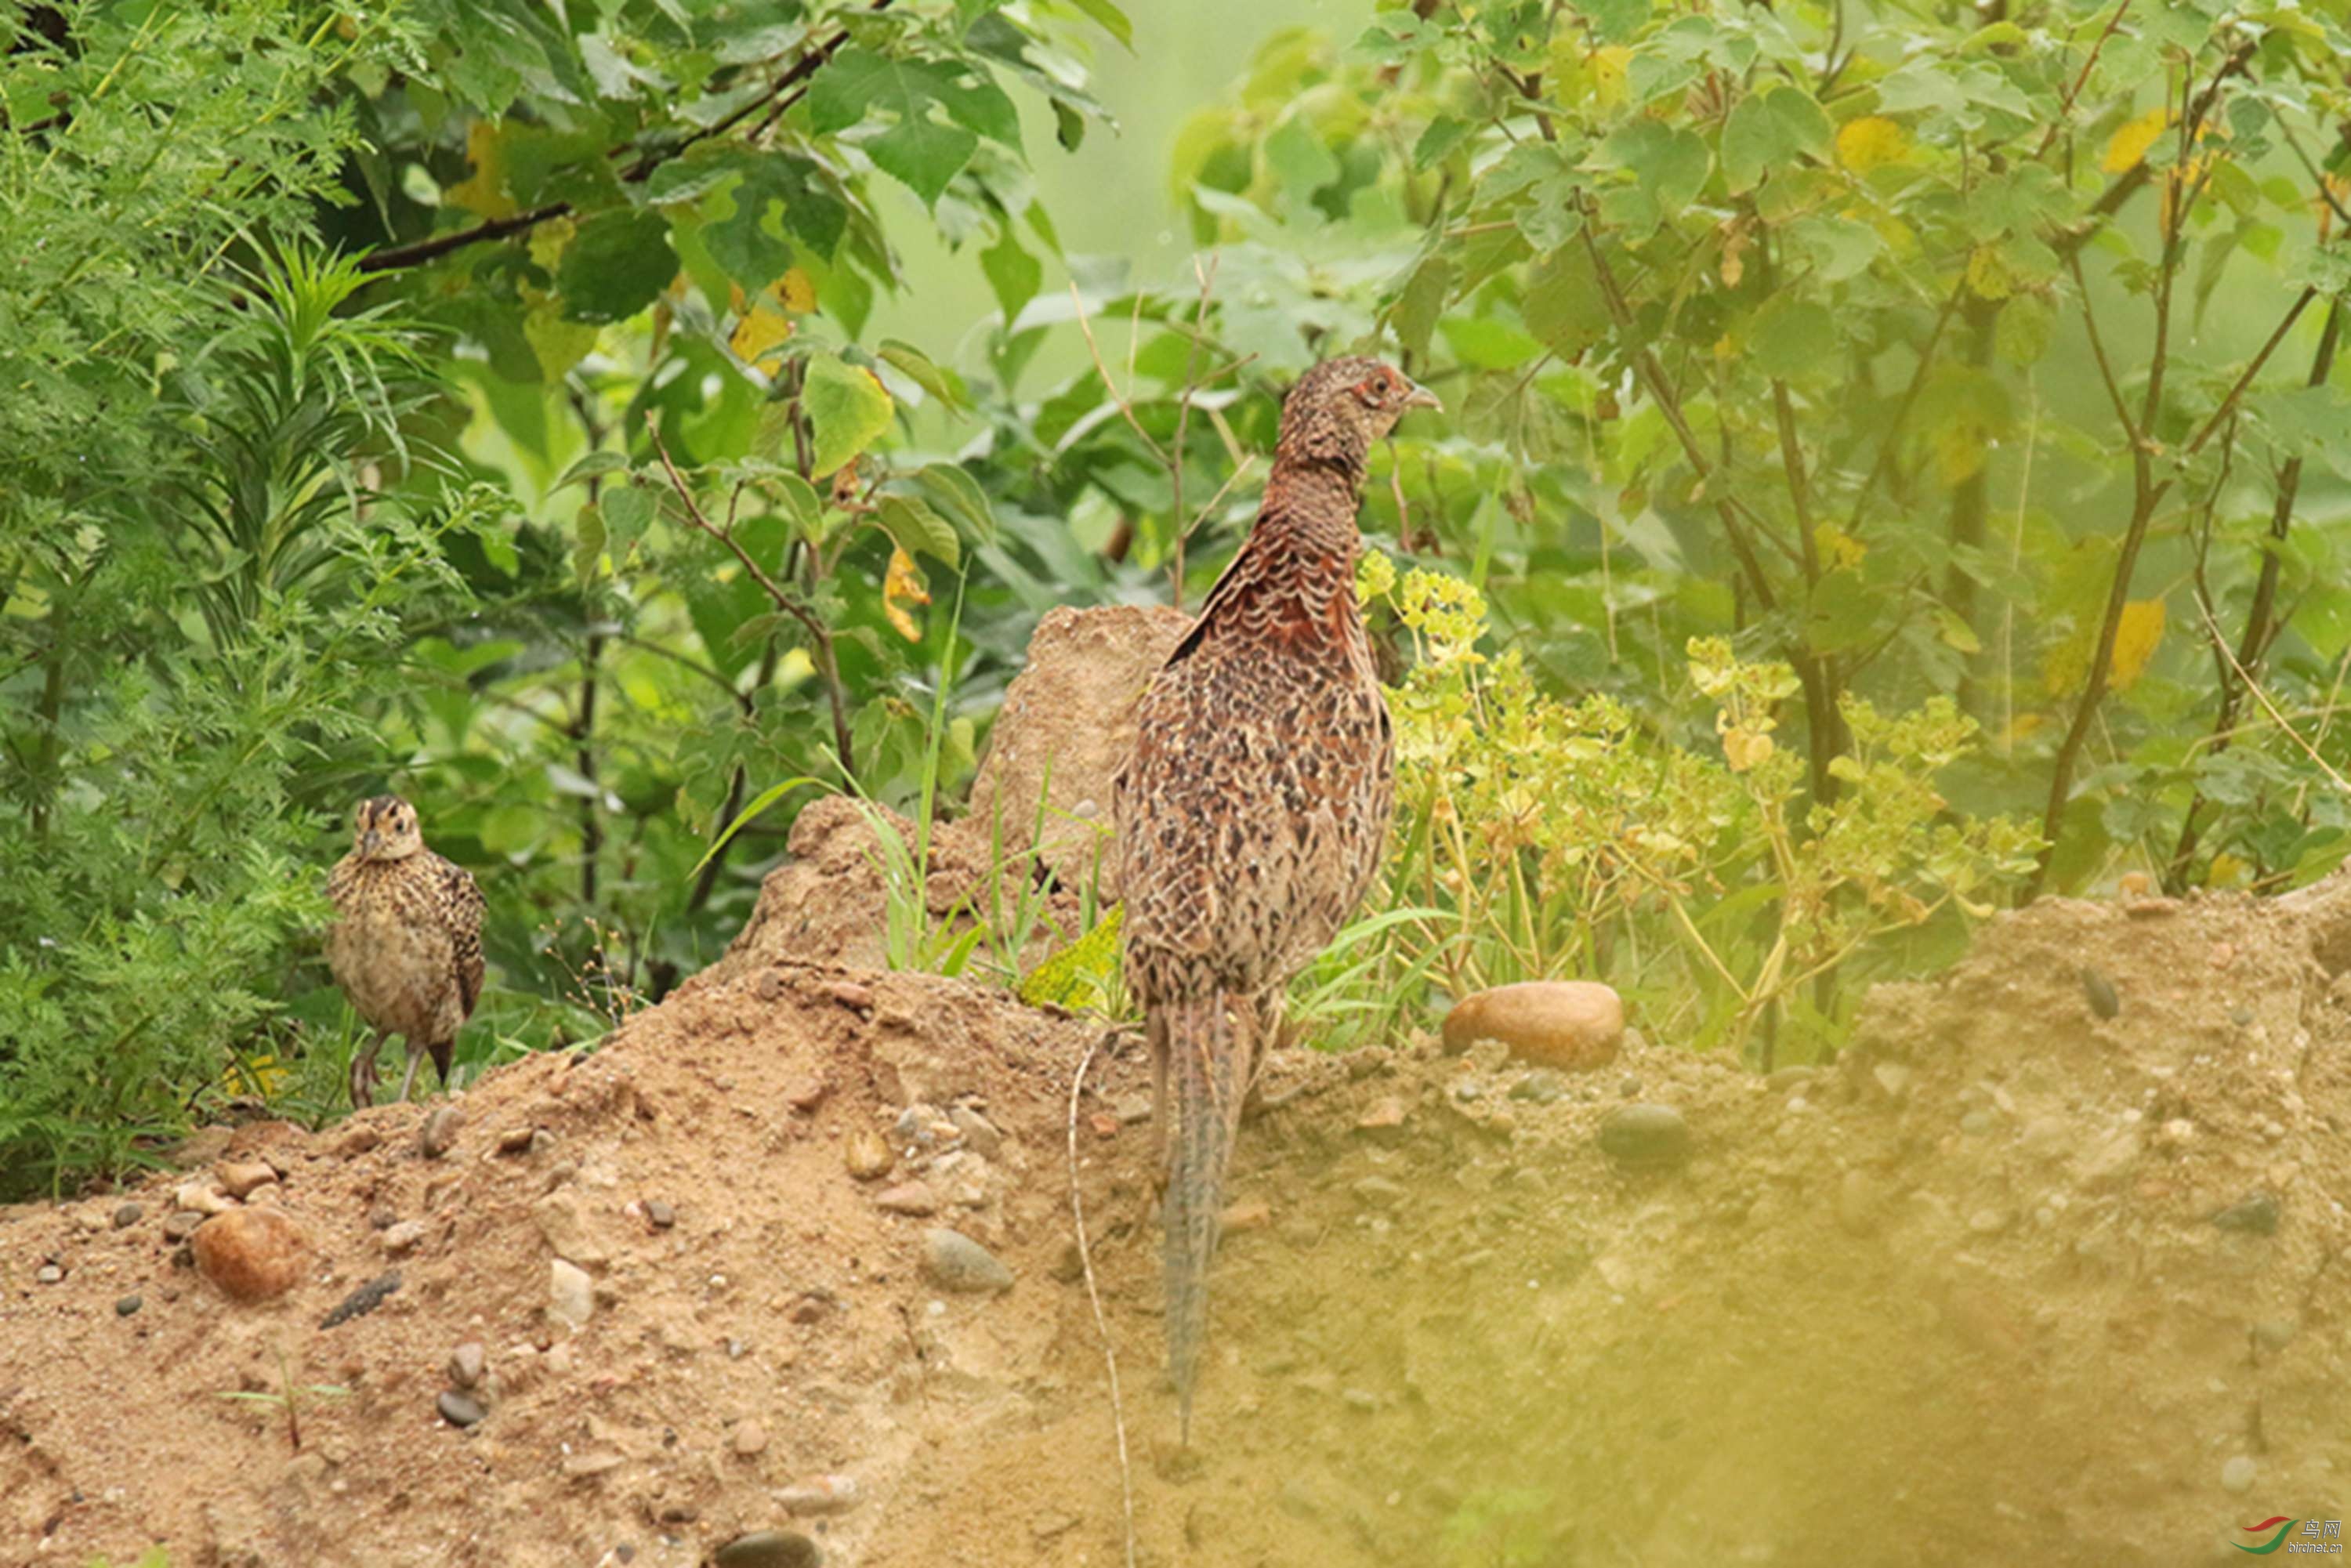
[{"x": 1420, "y": 397}]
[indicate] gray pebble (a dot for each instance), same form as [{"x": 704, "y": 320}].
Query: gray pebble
[
  {"x": 128, "y": 1305},
  {"x": 127, "y": 1215},
  {"x": 2255, "y": 1215},
  {"x": 954, "y": 1261},
  {"x": 1630, "y": 1087},
  {"x": 459, "y": 1409},
  {"x": 1465, "y": 1092},
  {"x": 1645, "y": 1137},
  {"x": 2276, "y": 1333},
  {"x": 1539, "y": 1087},
  {"x": 659, "y": 1214},
  {"x": 769, "y": 1549},
  {"x": 465, "y": 1363},
  {"x": 978, "y": 1131},
  {"x": 50, "y": 1274},
  {"x": 181, "y": 1225}
]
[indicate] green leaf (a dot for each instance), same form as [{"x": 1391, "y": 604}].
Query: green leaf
[
  {"x": 1563, "y": 304},
  {"x": 917, "y": 368},
  {"x": 627, "y": 512},
  {"x": 1769, "y": 129},
  {"x": 1835, "y": 248},
  {"x": 955, "y": 493},
  {"x": 1013, "y": 275},
  {"x": 1489, "y": 344},
  {"x": 1079, "y": 975},
  {"x": 1111, "y": 18},
  {"x": 587, "y": 544},
  {"x": 920, "y": 150},
  {"x": 1791, "y": 336},
  {"x": 1417, "y": 307},
  {"x": 1615, "y": 21},
  {"x": 615, "y": 265},
  {"x": 1437, "y": 142},
  {"x": 590, "y": 464},
  {"x": 918, "y": 530},
  {"x": 2022, "y": 336},
  {"x": 1668, "y": 161},
  {"x": 848, "y": 410},
  {"x": 1841, "y": 614}
]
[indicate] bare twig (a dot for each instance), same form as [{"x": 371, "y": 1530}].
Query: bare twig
[
  {"x": 2065, "y": 106},
  {"x": 392, "y": 258},
  {"x": 1093, "y": 1297},
  {"x": 2213, "y": 629},
  {"x": 819, "y": 635},
  {"x": 1208, "y": 278}
]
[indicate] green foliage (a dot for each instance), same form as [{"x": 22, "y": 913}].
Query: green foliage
[
  {"x": 1867, "y": 433},
  {"x": 1539, "y": 837}
]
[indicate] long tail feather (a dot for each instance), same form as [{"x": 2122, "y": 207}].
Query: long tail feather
[{"x": 1200, "y": 1048}]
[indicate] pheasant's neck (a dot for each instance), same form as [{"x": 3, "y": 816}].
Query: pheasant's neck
[{"x": 1310, "y": 510}]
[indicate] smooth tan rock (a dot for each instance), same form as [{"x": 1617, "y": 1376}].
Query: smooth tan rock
[
  {"x": 202, "y": 1198},
  {"x": 241, "y": 1177},
  {"x": 1571, "y": 1025},
  {"x": 868, "y": 1155},
  {"x": 252, "y": 1254}
]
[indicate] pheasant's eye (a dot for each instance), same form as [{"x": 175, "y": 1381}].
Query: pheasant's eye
[{"x": 1374, "y": 391}]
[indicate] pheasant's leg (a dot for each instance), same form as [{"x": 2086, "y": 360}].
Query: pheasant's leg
[
  {"x": 408, "y": 1079},
  {"x": 364, "y": 1071},
  {"x": 1163, "y": 1111},
  {"x": 1249, "y": 1045}
]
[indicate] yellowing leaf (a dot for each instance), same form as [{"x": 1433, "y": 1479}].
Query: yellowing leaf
[
  {"x": 1607, "y": 67},
  {"x": 2226, "y": 871},
  {"x": 1959, "y": 447},
  {"x": 2129, "y": 144},
  {"x": 1743, "y": 748},
  {"x": 760, "y": 332},
  {"x": 904, "y": 586},
  {"x": 2136, "y": 637},
  {"x": 1987, "y": 275},
  {"x": 796, "y": 291},
  {"x": 483, "y": 193},
  {"x": 1837, "y": 548},
  {"x": 848, "y": 410},
  {"x": 548, "y": 241},
  {"x": 1872, "y": 141}
]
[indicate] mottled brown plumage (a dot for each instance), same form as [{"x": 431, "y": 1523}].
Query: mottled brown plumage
[
  {"x": 1253, "y": 808},
  {"x": 406, "y": 945}
]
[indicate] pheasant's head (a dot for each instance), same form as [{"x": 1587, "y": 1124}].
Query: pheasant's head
[
  {"x": 385, "y": 829},
  {"x": 1341, "y": 407}
]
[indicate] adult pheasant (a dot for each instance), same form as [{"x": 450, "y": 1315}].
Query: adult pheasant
[
  {"x": 406, "y": 945},
  {"x": 1253, "y": 808}
]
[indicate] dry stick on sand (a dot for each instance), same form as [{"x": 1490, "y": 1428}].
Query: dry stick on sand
[{"x": 1093, "y": 1296}]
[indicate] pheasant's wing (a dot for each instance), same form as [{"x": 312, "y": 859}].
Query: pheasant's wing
[{"x": 462, "y": 898}]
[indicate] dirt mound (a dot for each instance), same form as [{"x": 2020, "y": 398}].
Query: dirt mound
[
  {"x": 1044, "y": 785},
  {"x": 2014, "y": 1281}
]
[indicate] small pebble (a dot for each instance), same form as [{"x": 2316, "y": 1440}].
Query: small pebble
[
  {"x": 128, "y": 1305},
  {"x": 749, "y": 1438},
  {"x": 571, "y": 1294},
  {"x": 49, "y": 1274},
  {"x": 1645, "y": 1137},
  {"x": 516, "y": 1140},
  {"x": 978, "y": 1131},
  {"x": 1575, "y": 1025},
  {"x": 2100, "y": 992},
  {"x": 439, "y": 1133},
  {"x": 914, "y": 1198},
  {"x": 459, "y": 1409},
  {"x": 466, "y": 1362},
  {"x": 818, "y": 1497},
  {"x": 769, "y": 1549},
  {"x": 868, "y": 1154},
  {"x": 1539, "y": 1087},
  {"x": 851, "y": 994},
  {"x": 659, "y": 1215},
  {"x": 2238, "y": 1475},
  {"x": 954, "y": 1261},
  {"x": 2255, "y": 1216},
  {"x": 127, "y": 1215},
  {"x": 402, "y": 1236}
]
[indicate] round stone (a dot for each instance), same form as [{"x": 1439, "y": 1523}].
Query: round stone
[
  {"x": 1643, "y": 1137},
  {"x": 769, "y": 1549},
  {"x": 459, "y": 1408},
  {"x": 954, "y": 1261},
  {"x": 1571, "y": 1025},
  {"x": 252, "y": 1254},
  {"x": 128, "y": 1305},
  {"x": 127, "y": 1215}
]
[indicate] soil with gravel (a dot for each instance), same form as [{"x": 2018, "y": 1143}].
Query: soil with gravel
[
  {"x": 2012, "y": 1282},
  {"x": 2043, "y": 1269}
]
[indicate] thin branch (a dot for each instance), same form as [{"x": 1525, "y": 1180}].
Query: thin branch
[
  {"x": 2213, "y": 629},
  {"x": 1888, "y": 444},
  {"x": 392, "y": 258},
  {"x": 1093, "y": 1298},
  {"x": 1110, "y": 386},
  {"x": 820, "y": 634},
  {"x": 1207, "y": 278},
  {"x": 2074, "y": 91}
]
